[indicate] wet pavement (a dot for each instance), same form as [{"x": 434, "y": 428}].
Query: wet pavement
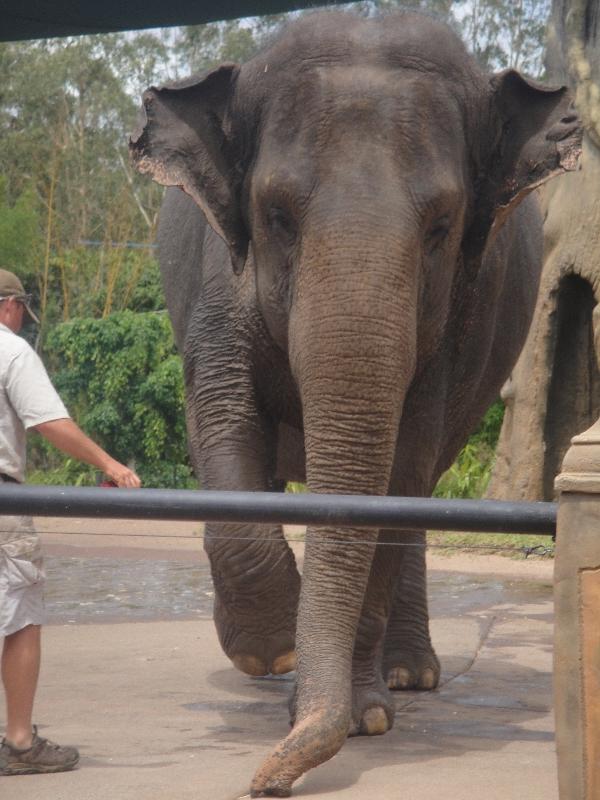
[
  {"x": 83, "y": 591},
  {"x": 96, "y": 589}
]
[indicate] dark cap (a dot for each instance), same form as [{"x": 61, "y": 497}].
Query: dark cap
[{"x": 11, "y": 286}]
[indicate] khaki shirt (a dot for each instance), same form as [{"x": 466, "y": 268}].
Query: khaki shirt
[{"x": 27, "y": 398}]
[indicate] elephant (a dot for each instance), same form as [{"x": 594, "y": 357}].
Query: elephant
[
  {"x": 351, "y": 270},
  {"x": 554, "y": 390}
]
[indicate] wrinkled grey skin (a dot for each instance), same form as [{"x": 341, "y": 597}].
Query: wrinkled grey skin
[{"x": 363, "y": 179}]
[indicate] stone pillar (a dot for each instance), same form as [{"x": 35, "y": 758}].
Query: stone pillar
[{"x": 577, "y": 619}]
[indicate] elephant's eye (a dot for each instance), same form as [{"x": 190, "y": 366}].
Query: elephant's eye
[
  {"x": 281, "y": 223},
  {"x": 437, "y": 233}
]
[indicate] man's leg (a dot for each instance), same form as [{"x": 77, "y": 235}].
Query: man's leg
[
  {"x": 20, "y": 670},
  {"x": 22, "y": 751}
]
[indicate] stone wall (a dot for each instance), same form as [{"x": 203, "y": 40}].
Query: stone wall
[{"x": 554, "y": 391}]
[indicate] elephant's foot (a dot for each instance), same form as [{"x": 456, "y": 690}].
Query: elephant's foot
[
  {"x": 411, "y": 670},
  {"x": 372, "y": 710},
  {"x": 253, "y": 650}
]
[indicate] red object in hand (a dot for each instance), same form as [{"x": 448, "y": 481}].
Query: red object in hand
[{"x": 108, "y": 484}]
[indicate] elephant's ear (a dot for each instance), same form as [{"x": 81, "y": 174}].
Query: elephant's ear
[
  {"x": 181, "y": 140},
  {"x": 535, "y": 135}
]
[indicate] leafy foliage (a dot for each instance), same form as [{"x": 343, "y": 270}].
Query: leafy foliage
[
  {"x": 94, "y": 282},
  {"x": 66, "y": 106},
  {"x": 20, "y": 243},
  {"x": 469, "y": 476},
  {"x": 122, "y": 380}
]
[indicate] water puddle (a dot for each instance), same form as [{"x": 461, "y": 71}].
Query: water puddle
[
  {"x": 109, "y": 589},
  {"x": 112, "y": 590}
]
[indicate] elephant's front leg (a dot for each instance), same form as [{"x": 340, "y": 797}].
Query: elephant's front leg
[
  {"x": 372, "y": 703},
  {"x": 256, "y": 595},
  {"x": 409, "y": 660},
  {"x": 253, "y": 568},
  {"x": 336, "y": 568}
]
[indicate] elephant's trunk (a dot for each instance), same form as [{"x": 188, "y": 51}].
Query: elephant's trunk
[{"x": 352, "y": 349}]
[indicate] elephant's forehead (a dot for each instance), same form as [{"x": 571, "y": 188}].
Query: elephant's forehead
[
  {"x": 385, "y": 89},
  {"x": 331, "y": 106},
  {"x": 374, "y": 89}
]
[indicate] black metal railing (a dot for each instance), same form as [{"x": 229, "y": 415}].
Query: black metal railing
[{"x": 481, "y": 516}]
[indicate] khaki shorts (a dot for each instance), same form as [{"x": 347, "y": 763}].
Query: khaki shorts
[{"x": 22, "y": 575}]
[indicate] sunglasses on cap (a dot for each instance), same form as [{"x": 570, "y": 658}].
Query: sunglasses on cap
[
  {"x": 20, "y": 298},
  {"x": 25, "y": 299}
]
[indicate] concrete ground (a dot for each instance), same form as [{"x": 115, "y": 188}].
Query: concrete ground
[{"x": 158, "y": 713}]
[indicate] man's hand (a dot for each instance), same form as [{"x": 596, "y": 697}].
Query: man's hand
[{"x": 124, "y": 477}]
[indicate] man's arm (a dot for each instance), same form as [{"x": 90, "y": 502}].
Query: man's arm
[{"x": 68, "y": 437}]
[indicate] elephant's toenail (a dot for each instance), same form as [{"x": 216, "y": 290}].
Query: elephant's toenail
[
  {"x": 284, "y": 663},
  {"x": 399, "y": 678},
  {"x": 251, "y": 665},
  {"x": 428, "y": 679},
  {"x": 374, "y": 722}
]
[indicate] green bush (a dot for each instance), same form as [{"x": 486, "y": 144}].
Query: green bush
[
  {"x": 122, "y": 381},
  {"x": 469, "y": 476}
]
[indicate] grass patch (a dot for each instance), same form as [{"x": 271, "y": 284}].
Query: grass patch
[{"x": 503, "y": 544}]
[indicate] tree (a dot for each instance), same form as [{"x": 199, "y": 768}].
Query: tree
[
  {"x": 20, "y": 245},
  {"x": 202, "y": 47},
  {"x": 505, "y": 33},
  {"x": 66, "y": 107}
]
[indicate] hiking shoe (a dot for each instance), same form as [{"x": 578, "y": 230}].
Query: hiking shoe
[{"x": 42, "y": 756}]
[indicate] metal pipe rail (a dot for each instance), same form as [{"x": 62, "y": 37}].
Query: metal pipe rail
[{"x": 480, "y": 516}]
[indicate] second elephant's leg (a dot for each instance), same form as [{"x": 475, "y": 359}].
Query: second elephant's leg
[
  {"x": 372, "y": 703},
  {"x": 256, "y": 595},
  {"x": 409, "y": 660}
]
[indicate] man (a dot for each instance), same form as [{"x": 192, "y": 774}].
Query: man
[{"x": 28, "y": 401}]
